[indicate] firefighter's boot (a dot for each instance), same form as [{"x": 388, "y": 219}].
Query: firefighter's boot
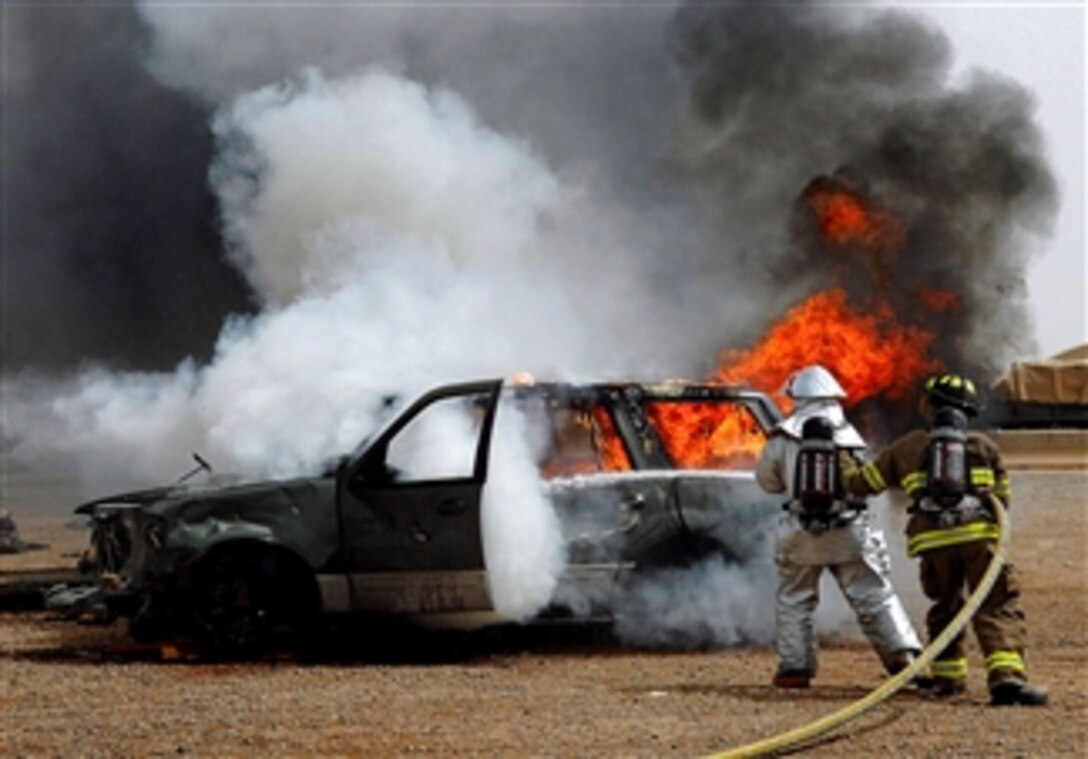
[
  {"x": 792, "y": 678},
  {"x": 1013, "y": 692}
]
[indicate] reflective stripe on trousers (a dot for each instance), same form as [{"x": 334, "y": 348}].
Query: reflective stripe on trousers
[
  {"x": 950, "y": 536},
  {"x": 1006, "y": 660},
  {"x": 949, "y": 669},
  {"x": 998, "y": 661}
]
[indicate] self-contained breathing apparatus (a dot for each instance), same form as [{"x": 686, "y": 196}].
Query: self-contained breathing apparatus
[
  {"x": 819, "y": 499},
  {"x": 948, "y": 493}
]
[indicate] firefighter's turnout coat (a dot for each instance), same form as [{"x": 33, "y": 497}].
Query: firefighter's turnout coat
[
  {"x": 853, "y": 550},
  {"x": 955, "y": 545}
]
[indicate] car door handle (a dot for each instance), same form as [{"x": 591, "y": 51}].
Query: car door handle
[{"x": 451, "y": 506}]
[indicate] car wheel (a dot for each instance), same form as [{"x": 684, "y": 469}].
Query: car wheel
[{"x": 244, "y": 602}]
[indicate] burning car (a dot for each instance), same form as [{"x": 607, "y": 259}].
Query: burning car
[{"x": 635, "y": 477}]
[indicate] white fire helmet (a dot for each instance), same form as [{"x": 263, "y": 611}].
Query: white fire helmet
[{"x": 812, "y": 383}]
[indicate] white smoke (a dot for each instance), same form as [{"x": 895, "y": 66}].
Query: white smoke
[
  {"x": 721, "y": 604},
  {"x": 710, "y": 604},
  {"x": 438, "y": 444},
  {"x": 396, "y": 243},
  {"x": 523, "y": 540},
  {"x": 304, "y": 156}
]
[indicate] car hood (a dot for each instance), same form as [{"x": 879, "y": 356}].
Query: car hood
[
  {"x": 224, "y": 487},
  {"x": 133, "y": 498}
]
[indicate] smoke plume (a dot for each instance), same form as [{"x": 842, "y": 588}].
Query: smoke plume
[
  {"x": 239, "y": 229},
  {"x": 783, "y": 93}
]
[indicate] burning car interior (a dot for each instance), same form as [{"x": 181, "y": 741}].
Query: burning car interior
[{"x": 678, "y": 425}]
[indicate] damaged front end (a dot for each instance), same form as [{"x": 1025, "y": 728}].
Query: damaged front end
[
  {"x": 222, "y": 566},
  {"x": 124, "y": 552}
]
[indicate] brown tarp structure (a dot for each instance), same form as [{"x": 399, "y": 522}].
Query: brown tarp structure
[{"x": 1060, "y": 379}]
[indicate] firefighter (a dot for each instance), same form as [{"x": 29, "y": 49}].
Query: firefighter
[
  {"x": 950, "y": 474},
  {"x": 820, "y": 528}
]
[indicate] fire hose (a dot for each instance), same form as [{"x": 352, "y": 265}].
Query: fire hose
[{"x": 806, "y": 733}]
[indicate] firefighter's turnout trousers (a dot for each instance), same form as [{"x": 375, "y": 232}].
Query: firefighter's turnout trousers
[
  {"x": 856, "y": 555},
  {"x": 946, "y": 568}
]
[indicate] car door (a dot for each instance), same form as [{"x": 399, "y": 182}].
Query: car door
[{"x": 410, "y": 506}]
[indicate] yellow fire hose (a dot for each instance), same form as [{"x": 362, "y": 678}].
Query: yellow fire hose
[{"x": 826, "y": 724}]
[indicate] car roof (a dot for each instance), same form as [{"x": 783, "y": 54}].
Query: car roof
[
  {"x": 762, "y": 405},
  {"x": 670, "y": 389}
]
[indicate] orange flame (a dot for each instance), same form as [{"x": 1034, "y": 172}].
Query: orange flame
[
  {"x": 843, "y": 218},
  {"x": 870, "y": 354},
  {"x": 707, "y": 435},
  {"x": 848, "y": 223}
]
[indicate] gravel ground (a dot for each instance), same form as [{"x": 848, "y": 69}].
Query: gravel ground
[{"x": 75, "y": 690}]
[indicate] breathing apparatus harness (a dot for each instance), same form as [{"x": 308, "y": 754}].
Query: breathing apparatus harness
[
  {"x": 819, "y": 500},
  {"x": 949, "y": 495}
]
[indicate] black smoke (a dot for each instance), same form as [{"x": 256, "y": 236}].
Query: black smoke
[
  {"x": 112, "y": 252},
  {"x": 785, "y": 93}
]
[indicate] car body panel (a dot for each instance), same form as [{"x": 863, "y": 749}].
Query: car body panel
[
  {"x": 419, "y": 520},
  {"x": 406, "y": 592},
  {"x": 721, "y": 504}
]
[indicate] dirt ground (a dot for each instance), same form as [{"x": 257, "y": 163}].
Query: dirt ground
[{"x": 68, "y": 689}]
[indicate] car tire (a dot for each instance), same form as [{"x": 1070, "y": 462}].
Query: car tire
[{"x": 247, "y": 601}]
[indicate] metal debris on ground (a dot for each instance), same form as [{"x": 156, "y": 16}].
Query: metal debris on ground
[{"x": 10, "y": 542}]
